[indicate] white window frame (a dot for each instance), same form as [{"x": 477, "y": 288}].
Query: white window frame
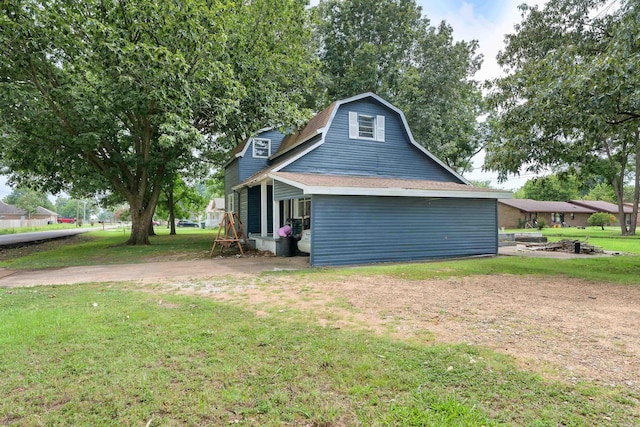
[
  {"x": 268, "y": 142},
  {"x": 302, "y": 202},
  {"x": 231, "y": 198},
  {"x": 355, "y": 128}
]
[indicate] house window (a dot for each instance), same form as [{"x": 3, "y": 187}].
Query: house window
[
  {"x": 231, "y": 198},
  {"x": 261, "y": 148},
  {"x": 303, "y": 208},
  {"x": 363, "y": 126}
]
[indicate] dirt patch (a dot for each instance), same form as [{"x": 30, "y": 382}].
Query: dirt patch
[{"x": 565, "y": 329}]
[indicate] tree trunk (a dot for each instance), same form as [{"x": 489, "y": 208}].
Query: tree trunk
[
  {"x": 618, "y": 188},
  {"x": 139, "y": 225},
  {"x": 172, "y": 213},
  {"x": 636, "y": 188},
  {"x": 141, "y": 210}
]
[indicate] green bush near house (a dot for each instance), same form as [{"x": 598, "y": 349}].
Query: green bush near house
[{"x": 601, "y": 219}]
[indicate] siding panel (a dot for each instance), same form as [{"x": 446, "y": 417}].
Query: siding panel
[
  {"x": 231, "y": 176},
  {"x": 360, "y": 230},
  {"x": 395, "y": 157},
  {"x": 284, "y": 191}
]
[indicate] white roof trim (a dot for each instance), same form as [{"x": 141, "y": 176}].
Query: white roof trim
[
  {"x": 395, "y": 192},
  {"x": 267, "y": 175},
  {"x": 247, "y": 144}
]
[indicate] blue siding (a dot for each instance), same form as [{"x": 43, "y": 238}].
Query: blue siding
[
  {"x": 250, "y": 165},
  {"x": 231, "y": 176},
  {"x": 365, "y": 229},
  {"x": 284, "y": 191},
  {"x": 395, "y": 157}
]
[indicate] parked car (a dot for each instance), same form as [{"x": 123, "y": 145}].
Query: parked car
[
  {"x": 187, "y": 223},
  {"x": 66, "y": 220},
  {"x": 154, "y": 222},
  {"x": 304, "y": 244}
]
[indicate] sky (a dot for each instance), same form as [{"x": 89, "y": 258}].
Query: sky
[
  {"x": 484, "y": 20},
  {"x": 487, "y": 21}
]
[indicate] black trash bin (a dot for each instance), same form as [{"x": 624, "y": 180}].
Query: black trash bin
[
  {"x": 576, "y": 247},
  {"x": 286, "y": 247}
]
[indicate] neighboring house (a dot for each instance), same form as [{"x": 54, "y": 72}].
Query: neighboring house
[
  {"x": 45, "y": 214},
  {"x": 367, "y": 191},
  {"x": 526, "y": 213},
  {"x": 8, "y": 212},
  {"x": 602, "y": 206},
  {"x": 214, "y": 212},
  {"x": 12, "y": 216}
]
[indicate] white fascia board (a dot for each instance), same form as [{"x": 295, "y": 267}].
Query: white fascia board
[
  {"x": 319, "y": 131},
  {"x": 398, "y": 192},
  {"x": 267, "y": 175},
  {"x": 250, "y": 140}
]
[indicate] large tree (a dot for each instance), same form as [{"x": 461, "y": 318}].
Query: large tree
[
  {"x": 116, "y": 96},
  {"x": 572, "y": 98},
  {"x": 552, "y": 187},
  {"x": 387, "y": 47}
]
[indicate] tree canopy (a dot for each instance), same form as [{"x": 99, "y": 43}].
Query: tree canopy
[
  {"x": 572, "y": 96},
  {"x": 387, "y": 47},
  {"x": 28, "y": 200},
  {"x": 552, "y": 187},
  {"x": 117, "y": 96}
]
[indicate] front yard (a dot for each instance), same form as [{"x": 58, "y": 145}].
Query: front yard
[{"x": 499, "y": 341}]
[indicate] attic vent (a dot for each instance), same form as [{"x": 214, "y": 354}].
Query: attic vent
[{"x": 362, "y": 126}]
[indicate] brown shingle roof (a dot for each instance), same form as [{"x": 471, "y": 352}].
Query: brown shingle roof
[
  {"x": 10, "y": 209},
  {"x": 601, "y": 206},
  {"x": 371, "y": 182},
  {"x": 528, "y": 205},
  {"x": 318, "y": 121}
]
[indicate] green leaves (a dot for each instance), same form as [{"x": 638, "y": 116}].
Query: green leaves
[
  {"x": 116, "y": 96},
  {"x": 571, "y": 99},
  {"x": 387, "y": 47}
]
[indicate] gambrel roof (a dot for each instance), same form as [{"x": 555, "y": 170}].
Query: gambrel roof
[{"x": 319, "y": 126}]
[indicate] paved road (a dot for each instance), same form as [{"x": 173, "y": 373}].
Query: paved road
[{"x": 12, "y": 239}]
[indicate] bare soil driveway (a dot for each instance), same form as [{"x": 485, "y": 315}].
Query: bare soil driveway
[{"x": 565, "y": 329}]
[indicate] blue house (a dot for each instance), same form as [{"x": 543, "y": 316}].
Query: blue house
[{"x": 368, "y": 192}]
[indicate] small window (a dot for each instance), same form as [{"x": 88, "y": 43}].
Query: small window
[
  {"x": 261, "y": 148},
  {"x": 363, "y": 126},
  {"x": 366, "y": 126},
  {"x": 231, "y": 202}
]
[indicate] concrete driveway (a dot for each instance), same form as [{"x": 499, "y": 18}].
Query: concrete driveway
[
  {"x": 155, "y": 272},
  {"x": 150, "y": 272}
]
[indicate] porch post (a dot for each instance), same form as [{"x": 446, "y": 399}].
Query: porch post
[
  {"x": 276, "y": 214},
  {"x": 264, "y": 227}
]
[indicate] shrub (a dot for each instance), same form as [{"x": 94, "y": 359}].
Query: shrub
[
  {"x": 601, "y": 219},
  {"x": 541, "y": 224}
]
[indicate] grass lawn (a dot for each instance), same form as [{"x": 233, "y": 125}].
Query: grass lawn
[
  {"x": 108, "y": 247},
  {"x": 108, "y": 355},
  {"x": 41, "y": 228}
]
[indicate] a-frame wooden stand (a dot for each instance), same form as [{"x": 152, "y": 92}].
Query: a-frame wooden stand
[{"x": 233, "y": 233}]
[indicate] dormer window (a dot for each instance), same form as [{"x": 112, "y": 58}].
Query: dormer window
[
  {"x": 363, "y": 126},
  {"x": 261, "y": 148}
]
